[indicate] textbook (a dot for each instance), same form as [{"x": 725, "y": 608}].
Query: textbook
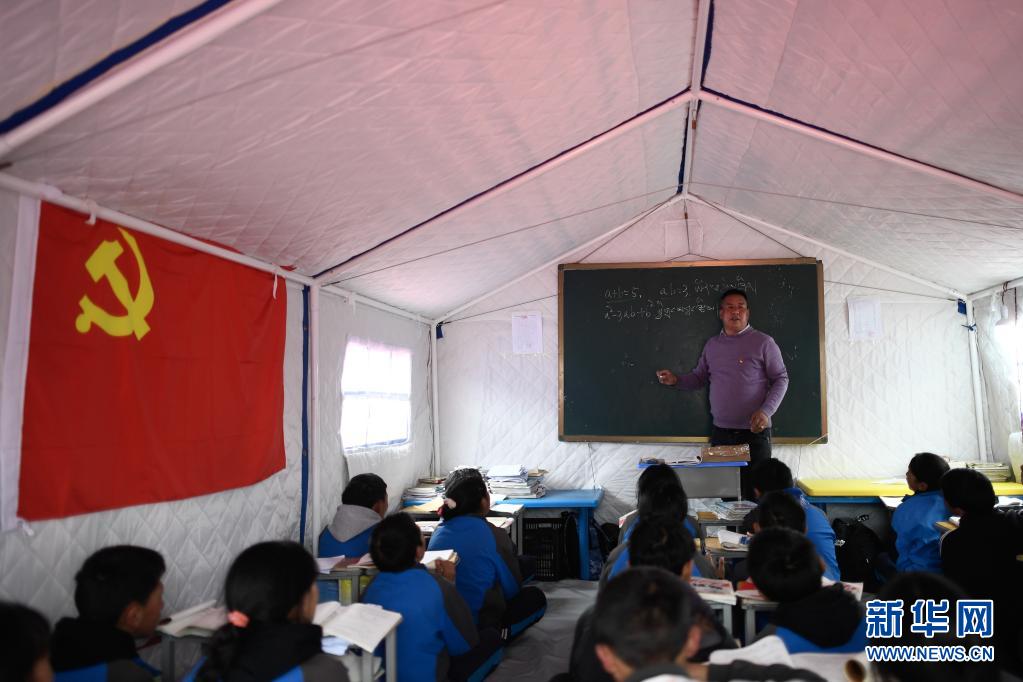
[
  {"x": 732, "y": 540},
  {"x": 720, "y": 591},
  {"x": 329, "y": 563},
  {"x": 201, "y": 620},
  {"x": 364, "y": 625}
]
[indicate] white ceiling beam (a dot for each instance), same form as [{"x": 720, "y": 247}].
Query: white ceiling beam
[
  {"x": 997, "y": 289},
  {"x": 859, "y": 147},
  {"x": 554, "y": 261},
  {"x": 695, "y": 87},
  {"x": 55, "y": 196},
  {"x": 824, "y": 245},
  {"x": 353, "y": 297},
  {"x": 334, "y": 274},
  {"x": 166, "y": 51}
]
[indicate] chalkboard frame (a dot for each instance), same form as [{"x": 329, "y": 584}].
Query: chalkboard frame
[{"x": 821, "y": 437}]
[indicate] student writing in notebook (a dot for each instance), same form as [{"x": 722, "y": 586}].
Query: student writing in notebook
[
  {"x": 270, "y": 595},
  {"x": 119, "y": 596},
  {"x": 489, "y": 577},
  {"x": 437, "y": 639}
]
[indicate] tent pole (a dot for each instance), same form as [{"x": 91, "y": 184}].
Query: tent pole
[
  {"x": 978, "y": 404},
  {"x": 435, "y": 460},
  {"x": 997, "y": 289},
  {"x": 859, "y": 147},
  {"x": 331, "y": 276},
  {"x": 674, "y": 199},
  {"x": 169, "y": 50},
  {"x": 358, "y": 298},
  {"x": 55, "y": 196},
  {"x": 695, "y": 87},
  {"x": 314, "y": 413},
  {"x": 824, "y": 245}
]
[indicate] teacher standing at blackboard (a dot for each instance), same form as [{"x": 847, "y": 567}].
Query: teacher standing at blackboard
[{"x": 747, "y": 378}]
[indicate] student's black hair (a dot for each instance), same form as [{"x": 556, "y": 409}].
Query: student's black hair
[
  {"x": 784, "y": 565},
  {"x": 771, "y": 474},
  {"x": 664, "y": 500},
  {"x": 394, "y": 543},
  {"x": 24, "y": 639},
  {"x": 656, "y": 476},
  {"x": 928, "y": 468},
  {"x": 644, "y": 616},
  {"x": 265, "y": 583},
  {"x": 364, "y": 490},
  {"x": 466, "y": 489},
  {"x": 732, "y": 292},
  {"x": 114, "y": 577},
  {"x": 909, "y": 587},
  {"x": 778, "y": 509},
  {"x": 661, "y": 542},
  {"x": 968, "y": 490}
]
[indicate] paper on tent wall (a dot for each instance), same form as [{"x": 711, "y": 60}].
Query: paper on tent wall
[
  {"x": 527, "y": 333},
  {"x": 865, "y": 318}
]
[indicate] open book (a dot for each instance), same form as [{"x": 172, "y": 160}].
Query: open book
[
  {"x": 720, "y": 591},
  {"x": 364, "y": 625},
  {"x": 201, "y": 620},
  {"x": 732, "y": 540},
  {"x": 429, "y": 559}
]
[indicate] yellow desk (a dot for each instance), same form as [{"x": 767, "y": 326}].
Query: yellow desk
[{"x": 823, "y": 491}]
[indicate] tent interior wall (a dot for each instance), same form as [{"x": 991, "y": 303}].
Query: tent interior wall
[{"x": 440, "y": 159}]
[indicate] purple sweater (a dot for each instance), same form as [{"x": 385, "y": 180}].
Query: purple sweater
[{"x": 746, "y": 374}]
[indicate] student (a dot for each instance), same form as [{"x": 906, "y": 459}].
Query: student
[
  {"x": 644, "y": 629},
  {"x": 270, "y": 595},
  {"x": 658, "y": 542},
  {"x": 119, "y": 596},
  {"x": 24, "y": 645},
  {"x": 773, "y": 474},
  {"x": 363, "y": 504},
  {"x": 917, "y": 541},
  {"x": 911, "y": 587},
  {"x": 436, "y": 631},
  {"x": 489, "y": 577},
  {"x": 810, "y": 618},
  {"x": 653, "y": 477},
  {"x": 981, "y": 557},
  {"x": 662, "y": 495},
  {"x": 778, "y": 509}
]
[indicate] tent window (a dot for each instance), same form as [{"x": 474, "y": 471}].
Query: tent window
[{"x": 376, "y": 387}]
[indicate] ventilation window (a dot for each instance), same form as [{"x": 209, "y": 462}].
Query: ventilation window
[{"x": 376, "y": 388}]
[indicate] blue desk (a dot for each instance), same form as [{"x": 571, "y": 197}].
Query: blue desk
[{"x": 581, "y": 501}]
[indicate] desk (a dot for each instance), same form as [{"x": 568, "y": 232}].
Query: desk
[
  {"x": 824, "y": 491},
  {"x": 708, "y": 479},
  {"x": 750, "y": 608},
  {"x": 581, "y": 501}
]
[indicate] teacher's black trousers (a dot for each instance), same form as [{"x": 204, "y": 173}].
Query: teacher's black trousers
[{"x": 759, "y": 450}]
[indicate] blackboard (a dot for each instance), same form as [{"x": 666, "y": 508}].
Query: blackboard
[{"x": 620, "y": 322}]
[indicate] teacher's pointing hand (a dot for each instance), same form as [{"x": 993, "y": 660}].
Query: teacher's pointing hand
[{"x": 666, "y": 377}]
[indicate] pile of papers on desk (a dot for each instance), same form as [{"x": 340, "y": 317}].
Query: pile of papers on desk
[
  {"x": 720, "y": 591},
  {"x": 516, "y": 481},
  {"x": 996, "y": 472}
]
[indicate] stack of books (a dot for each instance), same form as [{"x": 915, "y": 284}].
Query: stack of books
[
  {"x": 711, "y": 590},
  {"x": 996, "y": 472},
  {"x": 426, "y": 489},
  {"x": 733, "y": 511},
  {"x": 516, "y": 481}
]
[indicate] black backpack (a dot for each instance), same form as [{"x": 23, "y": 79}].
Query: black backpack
[{"x": 856, "y": 547}]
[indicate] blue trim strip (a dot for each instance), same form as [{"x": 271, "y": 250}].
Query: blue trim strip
[
  {"x": 112, "y": 60},
  {"x": 305, "y": 414},
  {"x": 481, "y": 672}
]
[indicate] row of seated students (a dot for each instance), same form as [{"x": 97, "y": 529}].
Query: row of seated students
[
  {"x": 454, "y": 624},
  {"x": 793, "y": 547}
]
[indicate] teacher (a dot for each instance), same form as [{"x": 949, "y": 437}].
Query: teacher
[{"x": 747, "y": 380}]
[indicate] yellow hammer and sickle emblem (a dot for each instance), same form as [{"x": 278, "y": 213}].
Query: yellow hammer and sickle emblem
[{"x": 102, "y": 263}]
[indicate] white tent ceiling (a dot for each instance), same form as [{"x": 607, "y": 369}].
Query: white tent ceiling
[{"x": 437, "y": 150}]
